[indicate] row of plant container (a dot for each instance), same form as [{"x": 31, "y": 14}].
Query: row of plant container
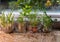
[{"x": 25, "y": 23}]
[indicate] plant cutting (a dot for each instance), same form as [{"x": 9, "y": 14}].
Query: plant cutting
[
  {"x": 21, "y": 24},
  {"x": 6, "y": 22},
  {"x": 10, "y": 22},
  {"x": 33, "y": 22},
  {"x": 47, "y": 22},
  {"x": 21, "y": 19}
]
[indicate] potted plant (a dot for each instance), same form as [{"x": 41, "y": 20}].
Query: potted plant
[
  {"x": 47, "y": 22},
  {"x": 33, "y": 21},
  {"x": 6, "y": 23},
  {"x": 34, "y": 26},
  {"x": 21, "y": 24},
  {"x": 22, "y": 19}
]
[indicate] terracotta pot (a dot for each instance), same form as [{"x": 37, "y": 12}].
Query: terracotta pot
[
  {"x": 7, "y": 29},
  {"x": 34, "y": 29}
]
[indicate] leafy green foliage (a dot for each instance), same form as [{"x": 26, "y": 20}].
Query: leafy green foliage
[
  {"x": 35, "y": 4},
  {"x": 47, "y": 21},
  {"x": 4, "y": 20},
  {"x": 26, "y": 11},
  {"x": 22, "y": 3}
]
